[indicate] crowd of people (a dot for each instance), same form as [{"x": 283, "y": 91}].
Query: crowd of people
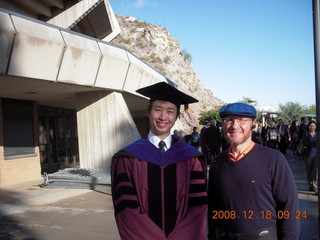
[
  {"x": 299, "y": 137},
  {"x": 160, "y": 186},
  {"x": 280, "y": 136}
]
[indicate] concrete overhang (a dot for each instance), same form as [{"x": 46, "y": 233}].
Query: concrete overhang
[
  {"x": 94, "y": 18},
  {"x": 61, "y": 95},
  {"x": 48, "y": 64}
]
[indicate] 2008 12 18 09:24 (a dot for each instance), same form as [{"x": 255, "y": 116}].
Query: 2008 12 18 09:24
[{"x": 250, "y": 215}]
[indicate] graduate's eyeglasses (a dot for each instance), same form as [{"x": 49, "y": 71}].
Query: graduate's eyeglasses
[{"x": 239, "y": 120}]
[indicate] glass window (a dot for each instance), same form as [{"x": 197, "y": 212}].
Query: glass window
[{"x": 18, "y": 131}]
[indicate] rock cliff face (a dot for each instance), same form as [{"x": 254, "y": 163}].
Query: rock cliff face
[{"x": 159, "y": 49}]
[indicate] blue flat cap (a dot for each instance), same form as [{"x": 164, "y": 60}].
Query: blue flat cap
[{"x": 240, "y": 109}]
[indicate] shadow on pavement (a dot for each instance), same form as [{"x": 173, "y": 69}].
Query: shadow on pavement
[{"x": 11, "y": 228}]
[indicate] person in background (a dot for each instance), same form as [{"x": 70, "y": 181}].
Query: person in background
[
  {"x": 273, "y": 136},
  {"x": 284, "y": 136},
  {"x": 264, "y": 131},
  {"x": 256, "y": 136},
  {"x": 176, "y": 135},
  {"x": 195, "y": 140},
  {"x": 302, "y": 127},
  {"x": 182, "y": 134},
  {"x": 309, "y": 140},
  {"x": 213, "y": 140},
  {"x": 203, "y": 145},
  {"x": 247, "y": 182},
  {"x": 188, "y": 138},
  {"x": 294, "y": 136},
  {"x": 158, "y": 184}
]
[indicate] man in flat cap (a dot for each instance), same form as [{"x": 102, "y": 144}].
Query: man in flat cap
[
  {"x": 159, "y": 183},
  {"x": 252, "y": 193}
]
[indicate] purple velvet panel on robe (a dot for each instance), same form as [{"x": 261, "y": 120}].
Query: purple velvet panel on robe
[{"x": 144, "y": 150}]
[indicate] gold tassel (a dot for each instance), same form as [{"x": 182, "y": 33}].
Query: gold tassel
[{"x": 186, "y": 107}]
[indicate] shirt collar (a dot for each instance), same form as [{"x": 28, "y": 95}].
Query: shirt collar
[
  {"x": 155, "y": 140},
  {"x": 244, "y": 153}
]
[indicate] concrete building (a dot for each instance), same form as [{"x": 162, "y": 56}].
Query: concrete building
[{"x": 67, "y": 96}]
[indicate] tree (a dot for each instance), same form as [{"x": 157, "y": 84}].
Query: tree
[
  {"x": 210, "y": 115},
  {"x": 248, "y": 100},
  {"x": 186, "y": 56},
  {"x": 290, "y": 111},
  {"x": 310, "y": 110}
]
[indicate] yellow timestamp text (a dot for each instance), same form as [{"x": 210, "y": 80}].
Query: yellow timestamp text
[{"x": 251, "y": 215}]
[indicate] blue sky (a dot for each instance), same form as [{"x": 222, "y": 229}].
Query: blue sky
[{"x": 261, "y": 49}]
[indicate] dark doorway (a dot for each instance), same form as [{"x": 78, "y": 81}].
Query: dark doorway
[{"x": 58, "y": 140}]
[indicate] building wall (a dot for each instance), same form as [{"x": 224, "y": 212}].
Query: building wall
[
  {"x": 39, "y": 57},
  {"x": 105, "y": 125},
  {"x": 143, "y": 126},
  {"x": 17, "y": 170}
]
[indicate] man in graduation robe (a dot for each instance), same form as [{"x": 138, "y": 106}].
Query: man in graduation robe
[{"x": 159, "y": 183}]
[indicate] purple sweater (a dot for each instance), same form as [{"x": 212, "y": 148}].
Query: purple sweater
[{"x": 248, "y": 194}]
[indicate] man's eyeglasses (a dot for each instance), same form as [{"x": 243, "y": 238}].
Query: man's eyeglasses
[{"x": 240, "y": 120}]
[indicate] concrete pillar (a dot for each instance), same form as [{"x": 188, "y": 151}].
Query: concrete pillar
[{"x": 105, "y": 125}]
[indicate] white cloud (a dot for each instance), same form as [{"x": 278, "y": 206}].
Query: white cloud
[
  {"x": 270, "y": 108},
  {"x": 140, "y": 3}
]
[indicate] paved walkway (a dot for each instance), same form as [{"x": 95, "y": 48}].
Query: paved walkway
[
  {"x": 29, "y": 212},
  {"x": 308, "y": 200}
]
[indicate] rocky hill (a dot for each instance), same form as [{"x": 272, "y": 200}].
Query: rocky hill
[{"x": 155, "y": 45}]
